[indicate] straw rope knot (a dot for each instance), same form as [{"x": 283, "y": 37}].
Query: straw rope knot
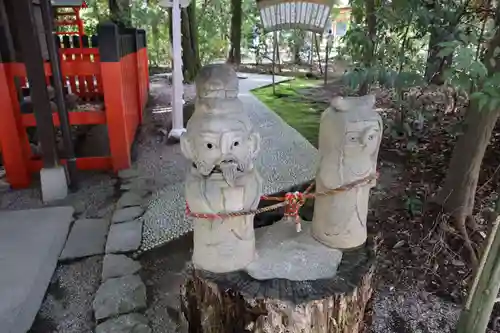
[{"x": 294, "y": 200}]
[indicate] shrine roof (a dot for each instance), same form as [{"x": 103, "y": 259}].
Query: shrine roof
[
  {"x": 67, "y": 3},
  {"x": 310, "y": 15}
]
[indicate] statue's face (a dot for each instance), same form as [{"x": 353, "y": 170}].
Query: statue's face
[
  {"x": 348, "y": 152},
  {"x": 222, "y": 146},
  {"x": 361, "y": 143}
]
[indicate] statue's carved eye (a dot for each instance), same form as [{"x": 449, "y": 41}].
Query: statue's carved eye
[
  {"x": 210, "y": 146},
  {"x": 236, "y": 144},
  {"x": 371, "y": 137}
]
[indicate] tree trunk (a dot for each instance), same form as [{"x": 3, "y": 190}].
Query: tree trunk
[
  {"x": 190, "y": 55},
  {"x": 457, "y": 194},
  {"x": 194, "y": 35},
  {"x": 236, "y": 21},
  {"x": 371, "y": 27},
  {"x": 436, "y": 66},
  {"x": 459, "y": 189},
  {"x": 235, "y": 302},
  {"x": 120, "y": 12},
  {"x": 298, "y": 44},
  {"x": 317, "y": 44},
  {"x": 155, "y": 33},
  {"x": 278, "y": 56},
  {"x": 170, "y": 34}
]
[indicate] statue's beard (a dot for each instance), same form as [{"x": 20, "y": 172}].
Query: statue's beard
[
  {"x": 230, "y": 172},
  {"x": 230, "y": 169}
]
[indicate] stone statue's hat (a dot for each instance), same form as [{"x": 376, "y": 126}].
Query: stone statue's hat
[
  {"x": 346, "y": 104},
  {"x": 217, "y": 81},
  {"x": 217, "y": 92}
]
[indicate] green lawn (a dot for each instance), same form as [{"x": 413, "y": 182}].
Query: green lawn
[{"x": 289, "y": 104}]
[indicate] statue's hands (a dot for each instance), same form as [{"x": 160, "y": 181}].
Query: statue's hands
[{"x": 253, "y": 190}]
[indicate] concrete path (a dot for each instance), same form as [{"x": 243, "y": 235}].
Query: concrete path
[
  {"x": 286, "y": 159},
  {"x": 30, "y": 244}
]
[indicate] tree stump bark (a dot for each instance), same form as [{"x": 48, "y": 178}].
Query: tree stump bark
[{"x": 235, "y": 302}]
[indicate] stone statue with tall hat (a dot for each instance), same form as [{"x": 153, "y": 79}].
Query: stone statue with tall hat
[{"x": 222, "y": 145}]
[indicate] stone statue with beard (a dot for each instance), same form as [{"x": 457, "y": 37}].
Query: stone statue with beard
[{"x": 222, "y": 145}]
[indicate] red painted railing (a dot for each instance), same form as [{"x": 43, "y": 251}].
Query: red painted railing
[{"x": 120, "y": 80}]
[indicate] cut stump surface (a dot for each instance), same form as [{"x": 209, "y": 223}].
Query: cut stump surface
[{"x": 236, "y": 303}]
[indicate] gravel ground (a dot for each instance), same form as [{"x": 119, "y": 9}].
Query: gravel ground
[
  {"x": 412, "y": 311},
  {"x": 67, "y": 307},
  {"x": 163, "y": 274},
  {"x": 95, "y": 196}
]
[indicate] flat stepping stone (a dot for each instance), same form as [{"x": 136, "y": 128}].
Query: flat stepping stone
[
  {"x": 141, "y": 192},
  {"x": 87, "y": 238},
  {"x": 138, "y": 184},
  {"x": 129, "y": 199},
  {"x": 119, "y": 296},
  {"x": 117, "y": 265},
  {"x": 124, "y": 237},
  {"x": 130, "y": 323},
  {"x": 127, "y": 214},
  {"x": 135, "y": 186},
  {"x": 30, "y": 244},
  {"x": 128, "y": 173}
]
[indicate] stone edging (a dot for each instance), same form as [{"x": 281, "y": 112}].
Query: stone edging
[{"x": 122, "y": 293}]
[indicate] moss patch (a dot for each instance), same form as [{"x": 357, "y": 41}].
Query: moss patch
[{"x": 296, "y": 109}]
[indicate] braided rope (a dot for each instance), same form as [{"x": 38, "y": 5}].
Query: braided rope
[{"x": 292, "y": 201}]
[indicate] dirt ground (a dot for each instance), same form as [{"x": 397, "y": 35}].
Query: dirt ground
[{"x": 420, "y": 246}]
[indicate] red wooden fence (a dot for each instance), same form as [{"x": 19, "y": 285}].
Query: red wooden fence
[{"x": 113, "y": 67}]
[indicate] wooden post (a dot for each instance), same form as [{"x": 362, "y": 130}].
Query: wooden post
[
  {"x": 94, "y": 40},
  {"x": 70, "y": 58},
  {"x": 57, "y": 78},
  {"x": 32, "y": 57},
  {"x": 275, "y": 50},
  {"x": 12, "y": 134},
  {"x": 112, "y": 83},
  {"x": 145, "y": 64},
  {"x": 235, "y": 302},
  {"x": 135, "y": 36},
  {"x": 78, "y": 57},
  {"x": 13, "y": 138},
  {"x": 89, "y": 80}
]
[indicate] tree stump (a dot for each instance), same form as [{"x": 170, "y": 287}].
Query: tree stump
[{"x": 235, "y": 302}]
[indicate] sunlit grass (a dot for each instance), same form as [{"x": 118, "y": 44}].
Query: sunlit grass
[{"x": 290, "y": 104}]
